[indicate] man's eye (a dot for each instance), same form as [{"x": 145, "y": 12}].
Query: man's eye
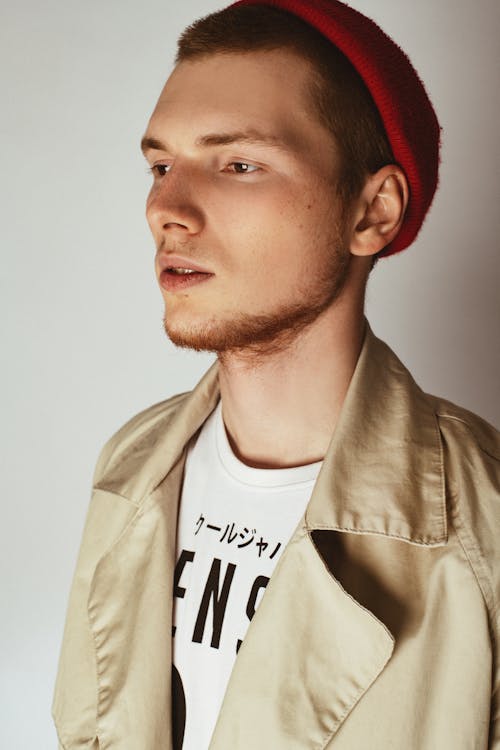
[
  {"x": 241, "y": 167},
  {"x": 159, "y": 170}
]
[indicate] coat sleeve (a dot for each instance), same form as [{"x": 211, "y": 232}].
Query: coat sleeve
[
  {"x": 487, "y": 556},
  {"x": 75, "y": 704},
  {"x": 473, "y": 455},
  {"x": 483, "y": 532},
  {"x": 494, "y": 743}
]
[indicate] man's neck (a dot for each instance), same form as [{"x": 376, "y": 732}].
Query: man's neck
[{"x": 280, "y": 409}]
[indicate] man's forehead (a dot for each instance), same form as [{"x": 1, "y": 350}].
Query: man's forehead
[
  {"x": 218, "y": 77},
  {"x": 246, "y": 97}
]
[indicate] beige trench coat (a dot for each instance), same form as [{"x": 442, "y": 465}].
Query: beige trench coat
[{"x": 378, "y": 629}]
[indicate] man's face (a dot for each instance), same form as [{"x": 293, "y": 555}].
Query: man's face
[{"x": 243, "y": 194}]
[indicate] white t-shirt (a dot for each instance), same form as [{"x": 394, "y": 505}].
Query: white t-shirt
[{"x": 234, "y": 523}]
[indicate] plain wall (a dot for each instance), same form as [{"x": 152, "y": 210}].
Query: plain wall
[{"x": 83, "y": 345}]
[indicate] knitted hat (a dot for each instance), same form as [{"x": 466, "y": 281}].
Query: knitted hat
[{"x": 409, "y": 119}]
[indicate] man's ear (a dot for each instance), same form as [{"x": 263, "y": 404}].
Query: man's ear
[{"x": 379, "y": 210}]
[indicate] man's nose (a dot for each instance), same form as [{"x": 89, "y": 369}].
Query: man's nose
[{"x": 172, "y": 205}]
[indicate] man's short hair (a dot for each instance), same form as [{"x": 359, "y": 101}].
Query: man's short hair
[{"x": 338, "y": 93}]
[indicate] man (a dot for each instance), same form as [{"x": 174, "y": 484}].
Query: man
[{"x": 301, "y": 553}]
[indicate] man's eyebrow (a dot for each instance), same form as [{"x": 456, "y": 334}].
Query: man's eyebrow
[
  {"x": 152, "y": 144},
  {"x": 222, "y": 139},
  {"x": 241, "y": 136}
]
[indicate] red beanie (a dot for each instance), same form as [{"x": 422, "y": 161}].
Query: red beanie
[{"x": 409, "y": 119}]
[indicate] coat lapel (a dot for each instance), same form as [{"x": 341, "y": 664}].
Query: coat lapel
[
  {"x": 130, "y": 612},
  {"x": 130, "y": 599},
  {"x": 309, "y": 655}
]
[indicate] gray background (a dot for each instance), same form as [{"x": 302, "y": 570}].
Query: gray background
[{"x": 83, "y": 347}]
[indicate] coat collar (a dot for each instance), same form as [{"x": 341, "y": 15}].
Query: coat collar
[{"x": 383, "y": 472}]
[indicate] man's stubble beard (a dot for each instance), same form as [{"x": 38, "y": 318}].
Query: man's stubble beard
[{"x": 253, "y": 335}]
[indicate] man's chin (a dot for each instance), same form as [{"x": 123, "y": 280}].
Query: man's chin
[
  {"x": 198, "y": 340},
  {"x": 253, "y": 334},
  {"x": 214, "y": 337}
]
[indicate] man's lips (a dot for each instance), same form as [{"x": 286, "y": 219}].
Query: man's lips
[
  {"x": 167, "y": 261},
  {"x": 177, "y": 273}
]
